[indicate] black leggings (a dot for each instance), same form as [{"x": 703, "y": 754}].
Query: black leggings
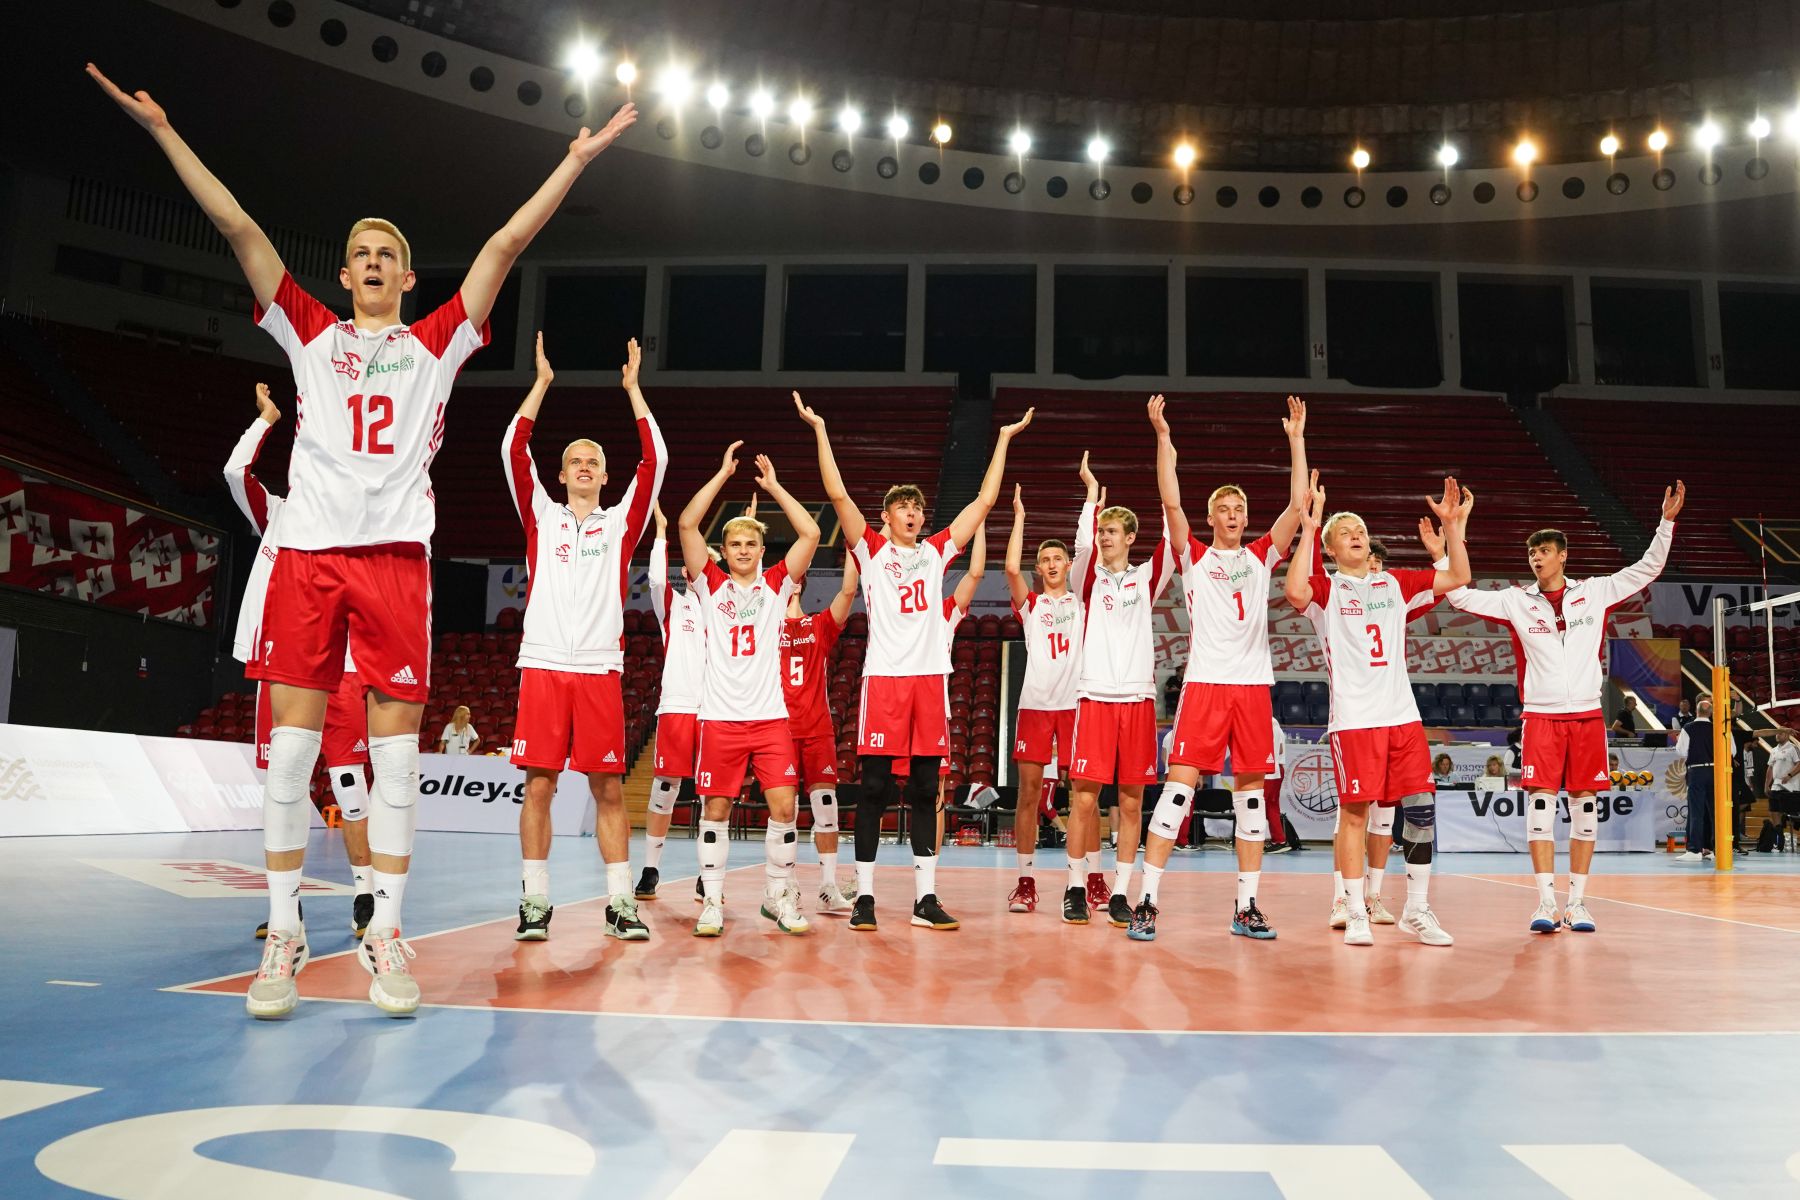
[{"x": 921, "y": 799}]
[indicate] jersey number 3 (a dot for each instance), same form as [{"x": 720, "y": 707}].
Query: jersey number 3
[{"x": 380, "y": 412}]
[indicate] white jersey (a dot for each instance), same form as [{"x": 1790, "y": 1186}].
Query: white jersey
[
  {"x": 743, "y": 644},
  {"x": 903, "y": 590},
  {"x": 1362, "y": 626},
  {"x": 265, "y": 509},
  {"x": 1559, "y": 641},
  {"x": 683, "y": 628},
  {"x": 368, "y": 419},
  {"x": 1228, "y": 611},
  {"x": 1118, "y": 650},
  {"x": 1052, "y": 651},
  {"x": 580, "y": 566}
]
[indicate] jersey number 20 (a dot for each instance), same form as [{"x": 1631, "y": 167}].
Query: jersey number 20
[{"x": 912, "y": 597}]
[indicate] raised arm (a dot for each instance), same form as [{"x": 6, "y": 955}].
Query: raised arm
[
  {"x": 255, "y": 253},
  {"x": 1453, "y": 510},
  {"x": 1642, "y": 573},
  {"x": 653, "y": 461},
  {"x": 970, "y": 583},
  {"x": 1015, "y": 552},
  {"x": 495, "y": 262},
  {"x": 1298, "y": 588},
  {"x": 1168, "y": 484},
  {"x": 850, "y": 518},
  {"x": 1294, "y": 425},
  {"x": 970, "y": 519},
  {"x": 846, "y": 593},
  {"x": 659, "y": 569},
  {"x": 1085, "y": 528},
  {"x": 534, "y": 399},
  {"x": 246, "y": 489},
  {"x": 806, "y": 530},
  {"x": 693, "y": 546}
]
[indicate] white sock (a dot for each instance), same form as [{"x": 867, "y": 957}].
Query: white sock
[
  {"x": 1077, "y": 873},
  {"x": 1337, "y": 886},
  {"x": 1152, "y": 880},
  {"x": 924, "y": 876},
  {"x": 535, "y": 878},
  {"x": 653, "y": 848},
  {"x": 1247, "y": 888},
  {"x": 828, "y": 869},
  {"x": 1375, "y": 877},
  {"x": 715, "y": 850},
  {"x": 361, "y": 876},
  {"x": 618, "y": 878},
  {"x": 1025, "y": 861},
  {"x": 389, "y": 891},
  {"x": 1359, "y": 907},
  {"x": 1122, "y": 880},
  {"x": 284, "y": 900},
  {"x": 865, "y": 879},
  {"x": 1546, "y": 883},
  {"x": 1093, "y": 862},
  {"x": 1418, "y": 885},
  {"x": 1577, "y": 888}
]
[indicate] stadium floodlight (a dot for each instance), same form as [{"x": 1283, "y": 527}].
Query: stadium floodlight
[
  {"x": 1609, "y": 145},
  {"x": 1708, "y": 136},
  {"x": 941, "y": 133},
  {"x": 1185, "y": 154},
  {"x": 627, "y": 73},
  {"x": 1359, "y": 158},
  {"x": 1658, "y": 141},
  {"x": 1446, "y": 155},
  {"x": 583, "y": 62},
  {"x": 800, "y": 111},
  {"x": 1019, "y": 143},
  {"x": 897, "y": 127},
  {"x": 1790, "y": 125},
  {"x": 762, "y": 104},
  {"x": 1525, "y": 153},
  {"x": 849, "y": 120},
  {"x": 718, "y": 95},
  {"x": 1098, "y": 149},
  {"x": 675, "y": 85},
  {"x": 1759, "y": 127}
]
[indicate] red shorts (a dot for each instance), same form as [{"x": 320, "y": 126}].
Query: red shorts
[
  {"x": 1563, "y": 753},
  {"x": 1109, "y": 735},
  {"x": 903, "y": 715},
  {"x": 376, "y": 599},
  {"x": 675, "y": 736},
  {"x": 727, "y": 748},
  {"x": 345, "y": 742},
  {"x": 1381, "y": 766},
  {"x": 1042, "y": 736},
  {"x": 572, "y": 718},
  {"x": 818, "y": 761},
  {"x": 1215, "y": 717},
  {"x": 346, "y": 739}
]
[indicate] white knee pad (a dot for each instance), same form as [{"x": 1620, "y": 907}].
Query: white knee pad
[
  {"x": 1252, "y": 817},
  {"x": 663, "y": 793},
  {"x": 1381, "y": 820},
  {"x": 286, "y": 815},
  {"x": 350, "y": 790},
  {"x": 395, "y": 814},
  {"x": 824, "y": 806},
  {"x": 1540, "y": 817},
  {"x": 1172, "y": 807},
  {"x": 1584, "y": 818}
]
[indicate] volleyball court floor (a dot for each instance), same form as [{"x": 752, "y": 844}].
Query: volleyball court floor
[{"x": 1015, "y": 1057}]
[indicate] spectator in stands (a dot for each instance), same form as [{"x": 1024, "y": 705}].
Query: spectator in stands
[
  {"x": 1493, "y": 779},
  {"x": 1626, "y": 724},
  {"x": 1783, "y": 779},
  {"x": 1443, "y": 769},
  {"x": 459, "y": 736},
  {"x": 1684, "y": 712}
]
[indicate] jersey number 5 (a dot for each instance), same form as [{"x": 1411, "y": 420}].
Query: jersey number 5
[
  {"x": 912, "y": 597},
  {"x": 380, "y": 416}
]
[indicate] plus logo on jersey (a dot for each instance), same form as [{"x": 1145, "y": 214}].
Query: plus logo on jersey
[{"x": 349, "y": 366}]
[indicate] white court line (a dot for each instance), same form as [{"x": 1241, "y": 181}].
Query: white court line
[
  {"x": 200, "y": 983},
  {"x": 71, "y": 983},
  {"x": 1674, "y": 912}
]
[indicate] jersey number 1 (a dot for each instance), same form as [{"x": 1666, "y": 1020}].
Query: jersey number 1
[{"x": 380, "y": 414}]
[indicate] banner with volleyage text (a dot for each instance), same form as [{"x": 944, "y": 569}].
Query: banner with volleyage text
[{"x": 59, "y": 539}]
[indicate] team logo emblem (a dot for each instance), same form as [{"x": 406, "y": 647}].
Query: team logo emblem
[
  {"x": 349, "y": 366},
  {"x": 1106, "y": 603},
  {"x": 728, "y": 606},
  {"x": 562, "y": 552},
  {"x": 1219, "y": 573},
  {"x": 1048, "y": 620},
  {"x": 895, "y": 571}
]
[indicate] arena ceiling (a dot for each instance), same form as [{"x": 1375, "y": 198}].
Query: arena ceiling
[{"x": 314, "y": 148}]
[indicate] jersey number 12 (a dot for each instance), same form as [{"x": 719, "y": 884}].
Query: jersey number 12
[{"x": 380, "y": 416}]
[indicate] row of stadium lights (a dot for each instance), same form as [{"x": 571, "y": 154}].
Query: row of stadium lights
[{"x": 675, "y": 86}]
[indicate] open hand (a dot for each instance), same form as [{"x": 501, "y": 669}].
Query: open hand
[
  {"x": 729, "y": 465},
  {"x": 634, "y": 358},
  {"x": 1673, "y": 500},
  {"x": 1158, "y": 421},
  {"x": 544, "y": 373},
  {"x": 588, "y": 145},
  {"x": 1432, "y": 537},
  {"x": 138, "y": 106},
  {"x": 265, "y": 404},
  {"x": 750, "y": 508},
  {"x": 765, "y": 476},
  {"x": 1445, "y": 509},
  {"x": 662, "y": 522},
  {"x": 807, "y": 414},
  {"x": 1018, "y": 500},
  {"x": 1007, "y": 431},
  {"x": 1294, "y": 424},
  {"x": 1314, "y": 515},
  {"x": 1466, "y": 507},
  {"x": 1087, "y": 476}
]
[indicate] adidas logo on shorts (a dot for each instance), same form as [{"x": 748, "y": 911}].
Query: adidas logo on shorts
[
  {"x": 610, "y": 757},
  {"x": 403, "y": 675}
]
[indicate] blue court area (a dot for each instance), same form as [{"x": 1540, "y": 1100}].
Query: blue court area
[{"x": 118, "y": 1087}]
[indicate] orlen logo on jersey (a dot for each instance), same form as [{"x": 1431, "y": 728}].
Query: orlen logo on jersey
[
  {"x": 728, "y": 606},
  {"x": 1048, "y": 620},
  {"x": 349, "y": 366},
  {"x": 1219, "y": 573},
  {"x": 1538, "y": 626},
  {"x": 1106, "y": 603},
  {"x": 1351, "y": 608},
  {"x": 895, "y": 571},
  {"x": 562, "y": 552}
]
